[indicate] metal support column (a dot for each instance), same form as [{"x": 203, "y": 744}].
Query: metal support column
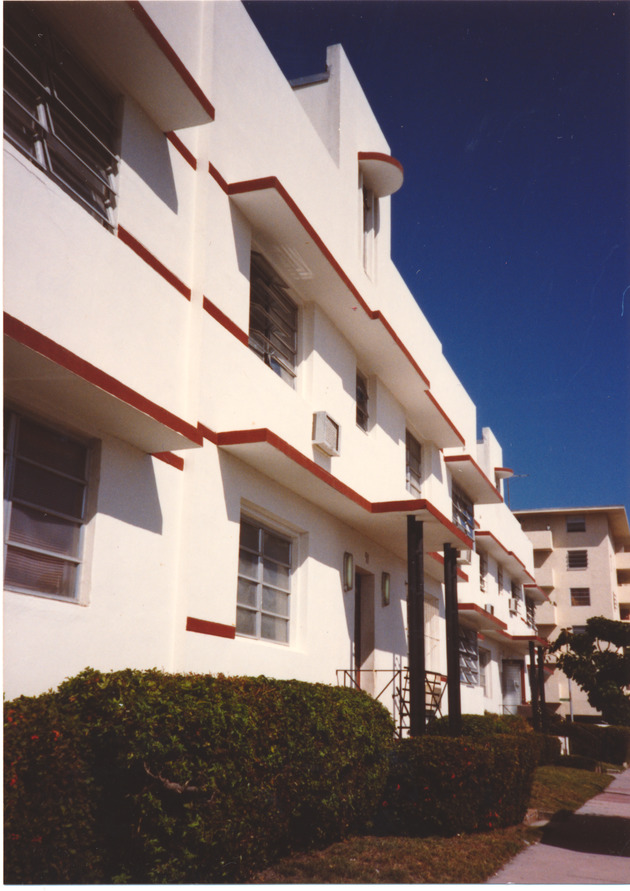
[
  {"x": 452, "y": 640},
  {"x": 415, "y": 625},
  {"x": 544, "y": 718},
  {"x": 533, "y": 685}
]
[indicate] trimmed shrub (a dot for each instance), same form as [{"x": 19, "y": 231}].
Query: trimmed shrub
[
  {"x": 608, "y": 744},
  {"x": 481, "y": 726},
  {"x": 445, "y": 785},
  {"x": 549, "y": 748},
  {"x": 187, "y": 778},
  {"x": 578, "y": 762}
]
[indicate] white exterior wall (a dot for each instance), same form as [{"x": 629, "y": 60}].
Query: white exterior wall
[{"x": 162, "y": 544}]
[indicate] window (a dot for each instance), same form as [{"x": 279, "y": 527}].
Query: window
[
  {"x": 483, "y": 570},
  {"x": 57, "y": 114},
  {"x": 414, "y": 464},
  {"x": 468, "y": 657},
  {"x": 576, "y": 524},
  {"x": 45, "y": 507},
  {"x": 516, "y": 591},
  {"x": 577, "y": 559},
  {"x": 500, "y": 579},
  {"x": 432, "y": 634},
  {"x": 362, "y": 401},
  {"x": 370, "y": 229},
  {"x": 484, "y": 671},
  {"x": 264, "y": 583},
  {"x": 624, "y": 612},
  {"x": 272, "y": 319},
  {"x": 463, "y": 511},
  {"x": 580, "y": 596},
  {"x": 530, "y": 613}
]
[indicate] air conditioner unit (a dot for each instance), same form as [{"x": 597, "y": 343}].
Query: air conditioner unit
[
  {"x": 513, "y": 605},
  {"x": 489, "y": 608},
  {"x": 464, "y": 557},
  {"x": 326, "y": 433}
]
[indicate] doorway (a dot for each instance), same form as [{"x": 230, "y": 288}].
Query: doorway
[
  {"x": 513, "y": 671},
  {"x": 363, "y": 648}
]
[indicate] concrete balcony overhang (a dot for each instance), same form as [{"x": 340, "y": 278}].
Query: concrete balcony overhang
[
  {"x": 290, "y": 243},
  {"x": 382, "y": 174},
  {"x": 469, "y": 476},
  {"x": 488, "y": 542},
  {"x": 477, "y": 617},
  {"x": 382, "y": 521},
  {"x": 40, "y": 375},
  {"x": 124, "y": 41},
  {"x": 535, "y": 593},
  {"x": 517, "y": 642}
]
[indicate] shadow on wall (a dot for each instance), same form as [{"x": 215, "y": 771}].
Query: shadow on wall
[
  {"x": 128, "y": 489},
  {"x": 145, "y": 149}
]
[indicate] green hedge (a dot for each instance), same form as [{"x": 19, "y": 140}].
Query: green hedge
[
  {"x": 146, "y": 777},
  {"x": 608, "y": 744},
  {"x": 445, "y": 785},
  {"x": 481, "y": 726}
]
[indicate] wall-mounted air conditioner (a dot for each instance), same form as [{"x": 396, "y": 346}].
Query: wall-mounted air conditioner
[
  {"x": 489, "y": 608},
  {"x": 464, "y": 557},
  {"x": 326, "y": 433},
  {"x": 513, "y": 605}
]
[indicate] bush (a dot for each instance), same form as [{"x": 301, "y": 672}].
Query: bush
[
  {"x": 578, "y": 762},
  {"x": 549, "y": 748},
  {"x": 444, "y": 785},
  {"x": 481, "y": 726},
  {"x": 185, "y": 778},
  {"x": 608, "y": 744}
]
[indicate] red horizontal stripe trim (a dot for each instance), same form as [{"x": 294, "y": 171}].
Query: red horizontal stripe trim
[
  {"x": 181, "y": 148},
  {"x": 34, "y": 340},
  {"x": 153, "y": 262},
  {"x": 169, "y": 458},
  {"x": 152, "y": 29},
  {"x": 216, "y": 629},
  {"x": 474, "y": 607},
  {"x": 263, "y": 434},
  {"x": 220, "y": 317},
  {"x": 207, "y": 433},
  {"x": 440, "y": 559},
  {"x": 445, "y": 416},
  {"x": 272, "y": 182},
  {"x": 214, "y": 173},
  {"x": 453, "y": 459}
]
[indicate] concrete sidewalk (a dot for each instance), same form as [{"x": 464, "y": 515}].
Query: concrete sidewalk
[{"x": 589, "y": 847}]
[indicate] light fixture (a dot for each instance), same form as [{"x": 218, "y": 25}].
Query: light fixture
[
  {"x": 385, "y": 588},
  {"x": 348, "y": 572}
]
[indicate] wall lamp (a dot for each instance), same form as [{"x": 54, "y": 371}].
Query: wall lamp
[
  {"x": 385, "y": 588},
  {"x": 348, "y": 572}
]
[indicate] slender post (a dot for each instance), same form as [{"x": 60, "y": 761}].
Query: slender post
[
  {"x": 415, "y": 624},
  {"x": 533, "y": 683},
  {"x": 452, "y": 640},
  {"x": 544, "y": 722}
]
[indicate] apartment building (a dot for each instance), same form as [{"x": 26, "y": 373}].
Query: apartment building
[
  {"x": 582, "y": 561},
  {"x": 224, "y": 408}
]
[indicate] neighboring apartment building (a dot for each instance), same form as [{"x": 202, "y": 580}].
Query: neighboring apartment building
[
  {"x": 582, "y": 560},
  {"x": 223, "y": 402}
]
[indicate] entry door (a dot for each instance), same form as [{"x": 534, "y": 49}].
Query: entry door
[
  {"x": 512, "y": 685},
  {"x": 364, "y": 631}
]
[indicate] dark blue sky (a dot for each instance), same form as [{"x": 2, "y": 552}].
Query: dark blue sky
[{"x": 512, "y": 121}]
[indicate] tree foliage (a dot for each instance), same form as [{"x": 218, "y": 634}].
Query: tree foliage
[{"x": 598, "y": 660}]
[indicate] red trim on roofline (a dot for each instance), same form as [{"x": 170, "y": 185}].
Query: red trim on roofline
[
  {"x": 444, "y": 415},
  {"x": 381, "y": 156},
  {"x": 453, "y": 459},
  {"x": 154, "y": 32},
  {"x": 155, "y": 264},
  {"x": 216, "y": 629},
  {"x": 186, "y": 154},
  {"x": 34, "y": 340}
]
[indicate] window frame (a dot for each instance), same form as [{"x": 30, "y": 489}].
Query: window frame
[
  {"x": 483, "y": 570},
  {"x": 577, "y": 558},
  {"x": 580, "y": 596},
  {"x": 413, "y": 478},
  {"x": 270, "y": 301},
  {"x": 576, "y": 524},
  {"x": 468, "y": 648},
  {"x": 264, "y": 527},
  {"x": 13, "y": 419},
  {"x": 362, "y": 396},
  {"x": 81, "y": 158},
  {"x": 463, "y": 510}
]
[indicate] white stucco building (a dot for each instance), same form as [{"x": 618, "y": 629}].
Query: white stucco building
[
  {"x": 582, "y": 561},
  {"x": 222, "y": 399}
]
